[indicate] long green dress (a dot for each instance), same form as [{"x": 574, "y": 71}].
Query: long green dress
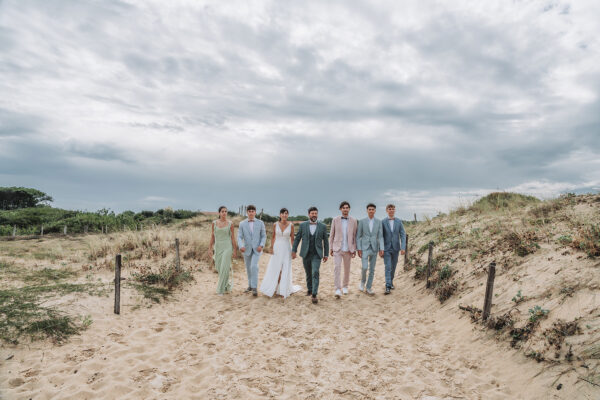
[{"x": 223, "y": 252}]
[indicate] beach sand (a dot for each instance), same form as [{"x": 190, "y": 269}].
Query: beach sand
[{"x": 199, "y": 345}]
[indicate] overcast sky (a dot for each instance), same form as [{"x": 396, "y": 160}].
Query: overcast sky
[{"x": 192, "y": 104}]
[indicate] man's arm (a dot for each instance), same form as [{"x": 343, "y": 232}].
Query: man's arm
[
  {"x": 358, "y": 236},
  {"x": 297, "y": 240},
  {"x": 263, "y": 234},
  {"x": 325, "y": 241},
  {"x": 402, "y": 237},
  {"x": 380, "y": 236},
  {"x": 240, "y": 238},
  {"x": 331, "y": 236}
]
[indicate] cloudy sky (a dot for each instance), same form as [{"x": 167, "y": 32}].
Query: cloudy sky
[{"x": 194, "y": 104}]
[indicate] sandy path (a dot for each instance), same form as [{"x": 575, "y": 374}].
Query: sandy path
[{"x": 200, "y": 345}]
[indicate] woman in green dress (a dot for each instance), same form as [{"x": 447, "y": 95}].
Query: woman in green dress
[{"x": 223, "y": 240}]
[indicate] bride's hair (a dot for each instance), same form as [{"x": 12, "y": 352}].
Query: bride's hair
[{"x": 283, "y": 210}]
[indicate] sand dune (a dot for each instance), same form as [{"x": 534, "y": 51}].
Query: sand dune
[{"x": 200, "y": 345}]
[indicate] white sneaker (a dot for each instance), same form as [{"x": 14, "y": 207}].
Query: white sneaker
[
  {"x": 338, "y": 293},
  {"x": 345, "y": 290},
  {"x": 370, "y": 292},
  {"x": 361, "y": 286}
]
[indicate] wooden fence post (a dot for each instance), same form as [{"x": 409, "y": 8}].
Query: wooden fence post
[
  {"x": 406, "y": 252},
  {"x": 65, "y": 231},
  {"x": 118, "y": 284},
  {"x": 14, "y": 231},
  {"x": 42, "y": 234},
  {"x": 429, "y": 262},
  {"x": 415, "y": 217},
  {"x": 489, "y": 289},
  {"x": 177, "y": 266},
  {"x": 85, "y": 229}
]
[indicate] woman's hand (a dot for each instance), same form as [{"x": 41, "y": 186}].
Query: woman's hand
[{"x": 234, "y": 253}]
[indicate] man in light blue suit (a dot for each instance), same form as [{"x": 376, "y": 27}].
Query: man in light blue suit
[
  {"x": 394, "y": 239},
  {"x": 251, "y": 240},
  {"x": 369, "y": 243}
]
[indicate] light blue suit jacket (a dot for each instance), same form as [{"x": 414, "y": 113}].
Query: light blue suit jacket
[
  {"x": 251, "y": 240},
  {"x": 394, "y": 240},
  {"x": 366, "y": 238}
]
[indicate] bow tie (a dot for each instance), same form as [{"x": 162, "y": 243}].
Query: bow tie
[
  {"x": 344, "y": 217},
  {"x": 313, "y": 223}
]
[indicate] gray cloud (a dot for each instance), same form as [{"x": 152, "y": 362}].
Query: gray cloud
[{"x": 294, "y": 105}]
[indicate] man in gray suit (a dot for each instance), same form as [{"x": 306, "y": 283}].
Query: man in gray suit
[
  {"x": 369, "y": 243},
  {"x": 251, "y": 240},
  {"x": 315, "y": 246},
  {"x": 394, "y": 238}
]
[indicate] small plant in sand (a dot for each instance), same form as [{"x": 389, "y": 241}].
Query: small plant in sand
[
  {"x": 536, "y": 313},
  {"x": 445, "y": 289},
  {"x": 518, "y": 298},
  {"x": 522, "y": 243},
  {"x": 588, "y": 240},
  {"x": 564, "y": 240},
  {"x": 445, "y": 272},
  {"x": 158, "y": 284}
]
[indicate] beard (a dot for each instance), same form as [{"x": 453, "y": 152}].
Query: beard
[{"x": 313, "y": 219}]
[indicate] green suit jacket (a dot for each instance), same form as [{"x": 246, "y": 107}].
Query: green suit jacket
[{"x": 321, "y": 239}]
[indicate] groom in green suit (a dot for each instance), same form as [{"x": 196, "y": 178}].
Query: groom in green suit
[{"x": 315, "y": 246}]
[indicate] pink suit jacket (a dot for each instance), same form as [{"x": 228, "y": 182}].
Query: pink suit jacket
[{"x": 336, "y": 236}]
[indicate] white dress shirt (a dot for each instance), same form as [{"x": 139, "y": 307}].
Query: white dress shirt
[
  {"x": 391, "y": 221},
  {"x": 344, "y": 234},
  {"x": 312, "y": 227},
  {"x": 251, "y": 225},
  {"x": 371, "y": 224}
]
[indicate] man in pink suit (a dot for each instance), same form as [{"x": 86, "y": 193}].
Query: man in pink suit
[{"x": 342, "y": 242}]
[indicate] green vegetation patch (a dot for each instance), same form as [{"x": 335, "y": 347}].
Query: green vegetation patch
[{"x": 21, "y": 312}]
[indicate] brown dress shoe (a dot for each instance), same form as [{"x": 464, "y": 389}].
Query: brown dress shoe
[{"x": 315, "y": 300}]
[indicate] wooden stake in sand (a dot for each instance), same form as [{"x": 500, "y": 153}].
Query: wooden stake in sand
[
  {"x": 118, "y": 284},
  {"x": 489, "y": 289},
  {"x": 415, "y": 217},
  {"x": 85, "y": 229},
  {"x": 177, "y": 255},
  {"x": 14, "y": 231},
  {"x": 406, "y": 252},
  {"x": 429, "y": 262},
  {"x": 65, "y": 230},
  {"x": 42, "y": 234}
]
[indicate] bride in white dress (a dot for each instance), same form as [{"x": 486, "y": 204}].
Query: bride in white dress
[{"x": 278, "y": 278}]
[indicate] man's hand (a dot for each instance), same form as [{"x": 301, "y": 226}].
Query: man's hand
[
  {"x": 210, "y": 250},
  {"x": 242, "y": 249},
  {"x": 402, "y": 252},
  {"x": 324, "y": 259},
  {"x": 380, "y": 253},
  {"x": 359, "y": 253},
  {"x": 353, "y": 254},
  {"x": 234, "y": 253},
  {"x": 259, "y": 249},
  {"x": 331, "y": 253},
  {"x": 293, "y": 255}
]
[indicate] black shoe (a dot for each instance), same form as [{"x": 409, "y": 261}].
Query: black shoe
[
  {"x": 308, "y": 293},
  {"x": 254, "y": 292},
  {"x": 387, "y": 290},
  {"x": 392, "y": 287},
  {"x": 315, "y": 300},
  {"x": 248, "y": 290}
]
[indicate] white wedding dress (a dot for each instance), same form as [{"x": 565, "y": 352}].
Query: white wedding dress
[{"x": 280, "y": 262}]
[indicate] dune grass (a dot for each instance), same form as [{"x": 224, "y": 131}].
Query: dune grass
[{"x": 22, "y": 313}]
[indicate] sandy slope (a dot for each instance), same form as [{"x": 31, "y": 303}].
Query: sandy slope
[{"x": 200, "y": 345}]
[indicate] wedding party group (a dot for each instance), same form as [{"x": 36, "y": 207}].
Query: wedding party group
[{"x": 348, "y": 237}]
